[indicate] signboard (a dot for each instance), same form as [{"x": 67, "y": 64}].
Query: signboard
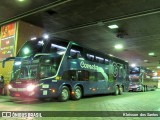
[{"x": 7, "y": 40}]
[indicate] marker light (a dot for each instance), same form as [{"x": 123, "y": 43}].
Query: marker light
[
  {"x": 26, "y": 50},
  {"x": 53, "y": 90},
  {"x": 9, "y": 86},
  {"x": 40, "y": 43},
  {"x": 30, "y": 87}
]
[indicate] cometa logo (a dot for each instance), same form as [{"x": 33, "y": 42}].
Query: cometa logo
[{"x": 89, "y": 66}]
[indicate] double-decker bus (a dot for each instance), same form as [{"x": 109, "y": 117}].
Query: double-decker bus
[
  {"x": 141, "y": 79},
  {"x": 56, "y": 68}
]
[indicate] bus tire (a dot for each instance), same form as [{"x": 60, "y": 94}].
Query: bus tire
[
  {"x": 64, "y": 94},
  {"x": 77, "y": 93},
  {"x": 120, "y": 90},
  {"x": 116, "y": 92}
]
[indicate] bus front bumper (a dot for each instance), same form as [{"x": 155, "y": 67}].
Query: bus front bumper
[{"x": 23, "y": 93}]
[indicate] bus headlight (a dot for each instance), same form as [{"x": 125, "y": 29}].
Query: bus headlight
[
  {"x": 30, "y": 87},
  {"x": 9, "y": 86}
]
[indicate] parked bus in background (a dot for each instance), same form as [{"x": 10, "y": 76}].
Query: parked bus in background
[
  {"x": 56, "y": 68},
  {"x": 141, "y": 79}
]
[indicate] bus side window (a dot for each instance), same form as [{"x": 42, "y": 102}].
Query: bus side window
[
  {"x": 99, "y": 59},
  {"x": 90, "y": 57},
  {"x": 92, "y": 78},
  {"x": 83, "y": 75},
  {"x": 69, "y": 75},
  {"x": 99, "y": 76},
  {"x": 76, "y": 55}
]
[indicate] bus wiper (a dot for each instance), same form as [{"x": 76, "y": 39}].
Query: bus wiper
[{"x": 7, "y": 59}]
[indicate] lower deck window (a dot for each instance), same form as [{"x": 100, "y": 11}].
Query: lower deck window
[{"x": 82, "y": 75}]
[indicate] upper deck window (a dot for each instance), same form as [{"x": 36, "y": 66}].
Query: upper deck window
[
  {"x": 99, "y": 59},
  {"x": 56, "y": 46},
  {"x": 31, "y": 47},
  {"x": 90, "y": 57},
  {"x": 76, "y": 52}
]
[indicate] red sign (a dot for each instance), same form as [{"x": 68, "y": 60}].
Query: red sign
[{"x": 8, "y": 40}]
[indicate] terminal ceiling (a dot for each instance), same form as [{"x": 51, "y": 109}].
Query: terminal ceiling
[{"x": 86, "y": 22}]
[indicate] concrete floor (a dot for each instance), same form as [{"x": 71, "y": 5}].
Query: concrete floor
[{"x": 129, "y": 101}]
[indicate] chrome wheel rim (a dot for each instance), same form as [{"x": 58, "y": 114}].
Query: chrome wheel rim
[
  {"x": 65, "y": 94},
  {"x": 78, "y": 93}
]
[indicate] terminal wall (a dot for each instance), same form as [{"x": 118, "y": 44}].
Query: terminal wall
[{"x": 24, "y": 32}]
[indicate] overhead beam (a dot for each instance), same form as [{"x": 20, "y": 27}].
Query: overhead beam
[
  {"x": 36, "y": 10},
  {"x": 110, "y": 20}
]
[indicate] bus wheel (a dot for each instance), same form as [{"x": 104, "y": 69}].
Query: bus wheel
[
  {"x": 116, "y": 92},
  {"x": 77, "y": 93},
  {"x": 120, "y": 90},
  {"x": 64, "y": 94}
]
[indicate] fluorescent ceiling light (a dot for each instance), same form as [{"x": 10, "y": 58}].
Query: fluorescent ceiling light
[
  {"x": 118, "y": 46},
  {"x": 133, "y": 65},
  {"x": 158, "y": 67},
  {"x": 113, "y": 26},
  {"x": 33, "y": 38},
  {"x": 111, "y": 55},
  {"x": 151, "y": 54},
  {"x": 146, "y": 61},
  {"x": 20, "y": 0}
]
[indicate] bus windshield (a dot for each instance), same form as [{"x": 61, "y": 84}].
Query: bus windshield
[
  {"x": 31, "y": 47},
  {"x": 40, "y": 68},
  {"x": 42, "y": 65},
  {"x": 26, "y": 72}
]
